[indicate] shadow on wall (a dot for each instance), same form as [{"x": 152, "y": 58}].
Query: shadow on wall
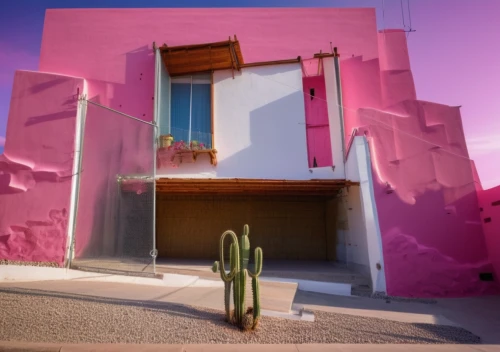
[
  {"x": 427, "y": 204},
  {"x": 425, "y": 191},
  {"x": 268, "y": 141},
  {"x": 36, "y": 167},
  {"x": 272, "y": 153},
  {"x": 135, "y": 96}
]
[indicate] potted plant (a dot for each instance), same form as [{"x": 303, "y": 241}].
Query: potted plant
[
  {"x": 194, "y": 145},
  {"x": 166, "y": 141}
]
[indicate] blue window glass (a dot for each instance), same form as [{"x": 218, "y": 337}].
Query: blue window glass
[
  {"x": 180, "y": 111},
  {"x": 200, "y": 115}
]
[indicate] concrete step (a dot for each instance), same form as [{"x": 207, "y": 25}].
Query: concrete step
[{"x": 343, "y": 287}]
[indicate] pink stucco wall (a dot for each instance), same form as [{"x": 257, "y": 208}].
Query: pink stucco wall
[
  {"x": 432, "y": 236},
  {"x": 433, "y": 242},
  {"x": 36, "y": 167},
  {"x": 112, "y": 48},
  {"x": 489, "y": 201}
]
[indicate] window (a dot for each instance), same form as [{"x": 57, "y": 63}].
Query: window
[{"x": 191, "y": 109}]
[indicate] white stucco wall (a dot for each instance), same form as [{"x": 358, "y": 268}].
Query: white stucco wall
[
  {"x": 259, "y": 128},
  {"x": 355, "y": 252},
  {"x": 162, "y": 96},
  {"x": 364, "y": 230}
]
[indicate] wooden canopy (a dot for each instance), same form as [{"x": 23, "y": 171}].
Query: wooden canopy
[
  {"x": 188, "y": 59},
  {"x": 326, "y": 188}
]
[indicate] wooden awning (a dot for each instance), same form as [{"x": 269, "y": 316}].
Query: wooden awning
[
  {"x": 189, "y": 59},
  {"x": 325, "y": 188}
]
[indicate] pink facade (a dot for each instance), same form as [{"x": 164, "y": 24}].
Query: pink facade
[
  {"x": 431, "y": 228},
  {"x": 432, "y": 237},
  {"x": 36, "y": 167}
]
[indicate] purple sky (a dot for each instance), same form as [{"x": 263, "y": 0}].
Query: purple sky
[{"x": 454, "y": 54}]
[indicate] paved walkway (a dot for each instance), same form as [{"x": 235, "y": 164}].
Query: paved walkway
[
  {"x": 12, "y": 346},
  {"x": 274, "y": 296}
]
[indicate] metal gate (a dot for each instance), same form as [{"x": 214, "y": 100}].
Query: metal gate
[{"x": 114, "y": 227}]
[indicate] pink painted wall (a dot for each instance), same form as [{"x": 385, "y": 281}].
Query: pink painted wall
[
  {"x": 489, "y": 201},
  {"x": 36, "y": 167},
  {"x": 112, "y": 47},
  {"x": 433, "y": 242}
]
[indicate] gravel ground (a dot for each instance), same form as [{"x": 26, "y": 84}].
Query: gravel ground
[
  {"x": 37, "y": 316},
  {"x": 388, "y": 299},
  {"x": 16, "y": 262}
]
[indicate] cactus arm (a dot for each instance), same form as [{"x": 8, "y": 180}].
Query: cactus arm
[
  {"x": 232, "y": 256},
  {"x": 234, "y": 270},
  {"x": 258, "y": 263},
  {"x": 215, "y": 267},
  {"x": 256, "y": 286}
]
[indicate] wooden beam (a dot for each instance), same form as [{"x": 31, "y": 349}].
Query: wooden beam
[
  {"x": 195, "y": 46},
  {"x": 251, "y": 187},
  {"x": 188, "y": 59},
  {"x": 276, "y": 62}
]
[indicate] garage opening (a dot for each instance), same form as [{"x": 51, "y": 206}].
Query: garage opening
[{"x": 290, "y": 220}]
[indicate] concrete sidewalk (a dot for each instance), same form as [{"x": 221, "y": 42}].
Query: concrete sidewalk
[
  {"x": 277, "y": 297},
  {"x": 35, "y": 347}
]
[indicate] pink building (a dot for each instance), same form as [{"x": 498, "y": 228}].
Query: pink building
[{"x": 148, "y": 132}]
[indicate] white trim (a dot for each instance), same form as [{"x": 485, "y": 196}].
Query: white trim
[
  {"x": 156, "y": 134},
  {"x": 334, "y": 117},
  {"x": 373, "y": 233},
  {"x": 190, "y": 110},
  {"x": 191, "y": 80},
  {"x": 169, "y": 105},
  {"x": 156, "y": 115},
  {"x": 75, "y": 181}
]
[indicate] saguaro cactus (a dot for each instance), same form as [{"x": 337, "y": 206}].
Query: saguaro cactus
[{"x": 238, "y": 260}]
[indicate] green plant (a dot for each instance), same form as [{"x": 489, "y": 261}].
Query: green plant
[{"x": 239, "y": 252}]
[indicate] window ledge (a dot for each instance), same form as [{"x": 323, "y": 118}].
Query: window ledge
[{"x": 166, "y": 155}]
